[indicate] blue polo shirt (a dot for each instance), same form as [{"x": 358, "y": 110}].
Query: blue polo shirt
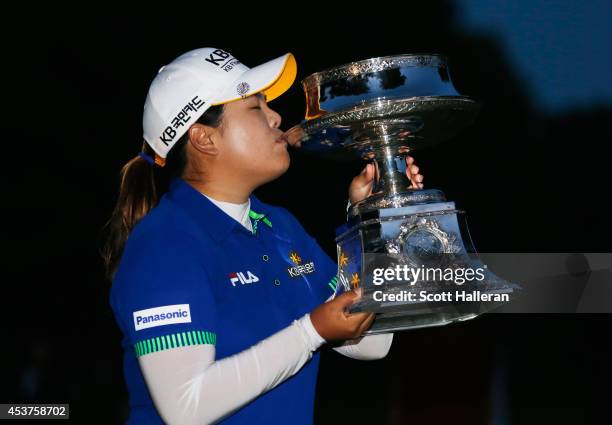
[{"x": 191, "y": 274}]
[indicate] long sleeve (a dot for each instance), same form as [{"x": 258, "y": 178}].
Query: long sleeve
[
  {"x": 189, "y": 387},
  {"x": 369, "y": 347}
]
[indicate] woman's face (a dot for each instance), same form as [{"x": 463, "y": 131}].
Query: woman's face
[{"x": 251, "y": 144}]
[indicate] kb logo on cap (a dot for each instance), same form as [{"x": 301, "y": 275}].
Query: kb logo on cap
[
  {"x": 223, "y": 60},
  {"x": 217, "y": 57}
]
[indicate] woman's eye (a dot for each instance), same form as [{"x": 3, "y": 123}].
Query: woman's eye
[{"x": 256, "y": 107}]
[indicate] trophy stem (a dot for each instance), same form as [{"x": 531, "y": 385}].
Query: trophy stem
[{"x": 390, "y": 178}]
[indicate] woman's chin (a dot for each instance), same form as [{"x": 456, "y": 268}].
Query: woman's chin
[
  {"x": 284, "y": 160},
  {"x": 281, "y": 167}
]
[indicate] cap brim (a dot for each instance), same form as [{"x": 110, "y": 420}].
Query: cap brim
[{"x": 273, "y": 78}]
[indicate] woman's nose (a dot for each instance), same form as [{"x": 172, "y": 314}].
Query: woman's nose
[{"x": 275, "y": 119}]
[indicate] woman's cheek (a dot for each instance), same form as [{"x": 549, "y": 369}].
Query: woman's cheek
[{"x": 240, "y": 144}]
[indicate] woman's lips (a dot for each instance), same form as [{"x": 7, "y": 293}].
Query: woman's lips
[{"x": 282, "y": 139}]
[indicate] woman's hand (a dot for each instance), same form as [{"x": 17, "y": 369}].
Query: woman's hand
[
  {"x": 333, "y": 322},
  {"x": 361, "y": 186}
]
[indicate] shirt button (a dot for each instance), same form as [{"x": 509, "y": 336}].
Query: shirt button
[
  {"x": 276, "y": 282},
  {"x": 265, "y": 257}
]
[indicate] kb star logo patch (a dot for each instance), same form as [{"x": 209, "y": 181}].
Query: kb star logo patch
[{"x": 299, "y": 269}]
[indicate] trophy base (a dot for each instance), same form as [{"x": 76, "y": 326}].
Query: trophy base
[
  {"x": 387, "y": 323},
  {"x": 416, "y": 236},
  {"x": 393, "y": 317}
]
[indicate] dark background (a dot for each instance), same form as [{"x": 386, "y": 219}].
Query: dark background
[{"x": 531, "y": 180}]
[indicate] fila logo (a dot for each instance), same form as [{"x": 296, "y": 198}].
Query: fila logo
[{"x": 240, "y": 277}]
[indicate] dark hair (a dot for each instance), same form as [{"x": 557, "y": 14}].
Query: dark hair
[{"x": 138, "y": 192}]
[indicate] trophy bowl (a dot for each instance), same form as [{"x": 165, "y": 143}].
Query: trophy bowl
[
  {"x": 385, "y": 102},
  {"x": 381, "y": 109}
]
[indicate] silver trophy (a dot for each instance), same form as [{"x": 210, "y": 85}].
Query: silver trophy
[{"x": 381, "y": 109}]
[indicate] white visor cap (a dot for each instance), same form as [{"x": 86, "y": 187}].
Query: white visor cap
[{"x": 193, "y": 82}]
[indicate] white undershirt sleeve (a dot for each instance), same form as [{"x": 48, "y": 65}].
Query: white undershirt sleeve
[
  {"x": 369, "y": 347},
  {"x": 189, "y": 387}
]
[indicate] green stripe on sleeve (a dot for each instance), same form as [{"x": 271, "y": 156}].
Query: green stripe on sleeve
[
  {"x": 333, "y": 283},
  {"x": 174, "y": 340}
]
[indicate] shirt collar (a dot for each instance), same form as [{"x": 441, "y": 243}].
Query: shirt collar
[
  {"x": 239, "y": 212},
  {"x": 205, "y": 213}
]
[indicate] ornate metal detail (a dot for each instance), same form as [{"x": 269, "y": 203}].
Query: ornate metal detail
[
  {"x": 421, "y": 238},
  {"x": 372, "y": 65}
]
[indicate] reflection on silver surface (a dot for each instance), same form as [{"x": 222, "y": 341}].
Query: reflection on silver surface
[
  {"x": 421, "y": 240},
  {"x": 387, "y": 123},
  {"x": 381, "y": 109}
]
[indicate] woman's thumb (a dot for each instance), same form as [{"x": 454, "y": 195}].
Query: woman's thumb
[
  {"x": 348, "y": 298},
  {"x": 366, "y": 174},
  {"x": 368, "y": 171}
]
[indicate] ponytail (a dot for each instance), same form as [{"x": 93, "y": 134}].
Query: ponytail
[
  {"x": 138, "y": 191},
  {"x": 137, "y": 196}
]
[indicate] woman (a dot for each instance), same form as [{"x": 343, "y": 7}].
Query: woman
[{"x": 223, "y": 300}]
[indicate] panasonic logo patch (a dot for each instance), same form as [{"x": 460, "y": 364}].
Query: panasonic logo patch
[{"x": 160, "y": 316}]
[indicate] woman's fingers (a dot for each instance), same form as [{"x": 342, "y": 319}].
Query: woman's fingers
[
  {"x": 360, "y": 323},
  {"x": 370, "y": 171},
  {"x": 367, "y": 175},
  {"x": 412, "y": 171},
  {"x": 411, "y": 168},
  {"x": 365, "y": 325}
]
